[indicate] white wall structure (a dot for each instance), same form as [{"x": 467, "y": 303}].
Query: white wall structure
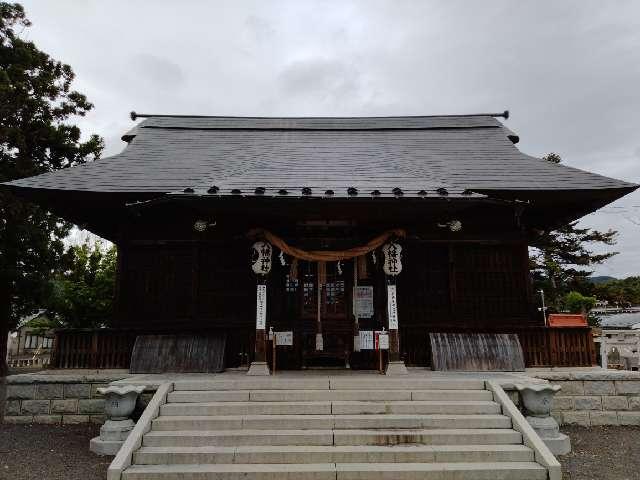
[{"x": 619, "y": 348}]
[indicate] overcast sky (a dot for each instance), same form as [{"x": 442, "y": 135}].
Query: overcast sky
[{"x": 569, "y": 71}]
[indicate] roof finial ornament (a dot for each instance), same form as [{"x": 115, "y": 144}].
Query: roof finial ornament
[
  {"x": 133, "y": 115},
  {"x": 505, "y": 114}
]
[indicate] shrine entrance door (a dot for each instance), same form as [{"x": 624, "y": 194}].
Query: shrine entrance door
[{"x": 327, "y": 338}]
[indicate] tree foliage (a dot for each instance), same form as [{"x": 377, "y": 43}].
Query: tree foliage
[
  {"x": 623, "y": 292},
  {"x": 576, "y": 302},
  {"x": 37, "y": 135},
  {"x": 82, "y": 295},
  {"x": 564, "y": 258}
]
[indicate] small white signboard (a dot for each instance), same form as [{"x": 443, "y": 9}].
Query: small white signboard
[
  {"x": 284, "y": 338},
  {"x": 366, "y": 340},
  {"x": 364, "y": 301},
  {"x": 356, "y": 343},
  {"x": 261, "y": 307},
  {"x": 392, "y": 307},
  {"x": 383, "y": 341}
]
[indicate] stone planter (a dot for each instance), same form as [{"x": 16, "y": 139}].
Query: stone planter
[
  {"x": 118, "y": 406},
  {"x": 537, "y": 400},
  {"x": 120, "y": 402}
]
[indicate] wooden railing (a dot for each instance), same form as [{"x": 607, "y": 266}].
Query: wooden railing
[
  {"x": 112, "y": 348},
  {"x": 99, "y": 349},
  {"x": 541, "y": 346}
]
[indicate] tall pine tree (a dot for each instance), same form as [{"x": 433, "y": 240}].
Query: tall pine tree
[
  {"x": 564, "y": 257},
  {"x": 37, "y": 105}
]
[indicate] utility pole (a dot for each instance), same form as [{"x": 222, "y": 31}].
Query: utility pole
[{"x": 543, "y": 309}]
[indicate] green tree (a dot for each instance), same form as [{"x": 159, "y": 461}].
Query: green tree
[
  {"x": 82, "y": 295},
  {"x": 37, "y": 105},
  {"x": 623, "y": 292},
  {"x": 563, "y": 258},
  {"x": 575, "y": 302}
]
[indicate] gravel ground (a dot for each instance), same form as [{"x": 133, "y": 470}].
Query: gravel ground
[
  {"x": 602, "y": 453},
  {"x": 44, "y": 452},
  {"x": 50, "y": 452}
]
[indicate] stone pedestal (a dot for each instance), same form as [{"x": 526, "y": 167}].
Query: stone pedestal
[
  {"x": 549, "y": 432},
  {"x": 396, "y": 368},
  {"x": 118, "y": 407},
  {"x": 112, "y": 435},
  {"x": 259, "y": 369},
  {"x": 537, "y": 400}
]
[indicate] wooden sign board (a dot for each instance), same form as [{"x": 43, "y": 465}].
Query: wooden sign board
[
  {"x": 284, "y": 338},
  {"x": 392, "y": 307},
  {"x": 366, "y": 340},
  {"x": 382, "y": 341},
  {"x": 364, "y": 301}
]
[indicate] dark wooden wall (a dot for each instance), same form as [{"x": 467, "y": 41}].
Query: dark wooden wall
[
  {"x": 185, "y": 286},
  {"x": 210, "y": 285},
  {"x": 470, "y": 285}
]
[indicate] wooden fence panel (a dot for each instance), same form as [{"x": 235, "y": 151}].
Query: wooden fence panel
[
  {"x": 99, "y": 349},
  {"x": 541, "y": 346}
]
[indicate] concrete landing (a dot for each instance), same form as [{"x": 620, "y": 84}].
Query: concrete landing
[{"x": 327, "y": 378}]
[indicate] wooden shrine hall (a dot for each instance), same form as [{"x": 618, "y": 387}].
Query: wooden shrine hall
[{"x": 338, "y": 235}]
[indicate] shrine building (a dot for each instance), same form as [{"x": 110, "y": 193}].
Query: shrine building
[{"x": 326, "y": 231}]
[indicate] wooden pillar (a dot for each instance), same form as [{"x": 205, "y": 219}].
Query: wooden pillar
[
  {"x": 393, "y": 267},
  {"x": 261, "y": 266}
]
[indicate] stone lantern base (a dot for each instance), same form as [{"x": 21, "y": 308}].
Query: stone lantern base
[
  {"x": 112, "y": 435},
  {"x": 397, "y": 368},
  {"x": 259, "y": 369},
  {"x": 549, "y": 432}
]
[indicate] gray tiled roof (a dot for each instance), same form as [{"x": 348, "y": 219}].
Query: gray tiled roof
[{"x": 414, "y": 154}]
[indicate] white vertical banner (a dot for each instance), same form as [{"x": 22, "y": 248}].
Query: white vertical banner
[
  {"x": 261, "y": 307},
  {"x": 392, "y": 307}
]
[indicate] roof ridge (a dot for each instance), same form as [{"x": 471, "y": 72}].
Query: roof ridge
[{"x": 134, "y": 116}]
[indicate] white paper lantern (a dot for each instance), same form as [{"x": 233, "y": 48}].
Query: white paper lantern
[
  {"x": 455, "y": 225},
  {"x": 392, "y": 258},
  {"x": 261, "y": 258}
]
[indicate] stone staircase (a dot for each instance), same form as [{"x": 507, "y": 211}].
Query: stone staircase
[{"x": 347, "y": 428}]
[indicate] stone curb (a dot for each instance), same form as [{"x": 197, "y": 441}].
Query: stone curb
[
  {"x": 133, "y": 442},
  {"x": 530, "y": 438},
  {"x": 35, "y": 378}
]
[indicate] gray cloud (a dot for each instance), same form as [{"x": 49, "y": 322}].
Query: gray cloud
[
  {"x": 568, "y": 71},
  {"x": 156, "y": 72}
]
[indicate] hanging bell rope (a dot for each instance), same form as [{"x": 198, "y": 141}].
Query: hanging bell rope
[{"x": 329, "y": 255}]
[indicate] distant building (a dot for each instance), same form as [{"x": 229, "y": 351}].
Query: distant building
[{"x": 30, "y": 345}]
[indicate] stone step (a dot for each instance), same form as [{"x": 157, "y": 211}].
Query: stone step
[
  {"x": 327, "y": 407},
  {"x": 187, "y": 396},
  {"x": 334, "y": 454},
  {"x": 305, "y": 422},
  {"x": 366, "y": 382},
  {"x": 416, "y": 407},
  {"x": 341, "y": 471},
  {"x": 383, "y": 383},
  {"x": 230, "y": 438}
]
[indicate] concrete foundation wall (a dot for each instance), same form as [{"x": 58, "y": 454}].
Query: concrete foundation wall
[
  {"x": 605, "y": 397},
  {"x": 56, "y": 399}
]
